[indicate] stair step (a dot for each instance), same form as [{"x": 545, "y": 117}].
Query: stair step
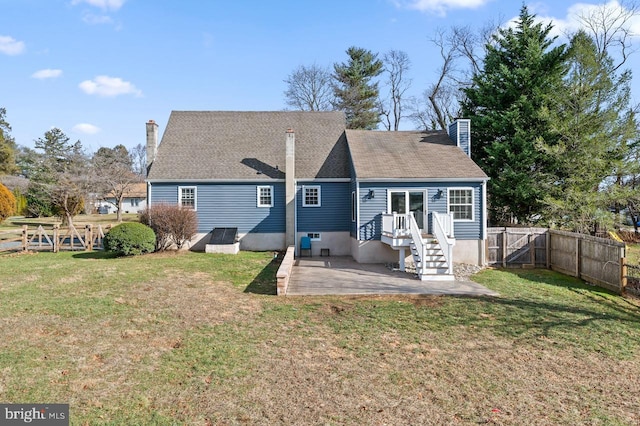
[
  {"x": 436, "y": 277},
  {"x": 428, "y": 267}
]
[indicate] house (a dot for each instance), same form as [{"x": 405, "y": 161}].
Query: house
[
  {"x": 134, "y": 200},
  {"x": 280, "y": 176}
]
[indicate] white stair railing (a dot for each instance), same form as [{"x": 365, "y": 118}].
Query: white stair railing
[
  {"x": 443, "y": 231},
  {"x": 421, "y": 248}
]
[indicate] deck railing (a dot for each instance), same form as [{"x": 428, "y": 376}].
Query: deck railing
[
  {"x": 396, "y": 224},
  {"x": 418, "y": 242},
  {"x": 443, "y": 231}
]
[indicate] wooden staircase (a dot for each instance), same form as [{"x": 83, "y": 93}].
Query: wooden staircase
[
  {"x": 431, "y": 253},
  {"x": 434, "y": 266}
]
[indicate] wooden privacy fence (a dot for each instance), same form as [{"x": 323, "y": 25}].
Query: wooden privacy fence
[
  {"x": 55, "y": 239},
  {"x": 518, "y": 247},
  {"x": 598, "y": 261}
]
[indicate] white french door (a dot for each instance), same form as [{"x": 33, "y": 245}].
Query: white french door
[{"x": 404, "y": 201}]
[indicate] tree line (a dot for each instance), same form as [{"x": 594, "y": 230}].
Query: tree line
[
  {"x": 59, "y": 178},
  {"x": 553, "y": 125}
]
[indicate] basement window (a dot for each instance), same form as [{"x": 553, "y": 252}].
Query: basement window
[{"x": 314, "y": 236}]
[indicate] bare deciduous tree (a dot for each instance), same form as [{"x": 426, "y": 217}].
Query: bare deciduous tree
[
  {"x": 462, "y": 52},
  {"x": 396, "y": 64},
  {"x": 138, "y": 158},
  {"x": 610, "y": 28},
  {"x": 113, "y": 175},
  {"x": 309, "y": 89}
]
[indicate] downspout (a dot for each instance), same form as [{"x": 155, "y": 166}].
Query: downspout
[
  {"x": 295, "y": 220},
  {"x": 357, "y": 211},
  {"x": 149, "y": 201},
  {"x": 483, "y": 251}
]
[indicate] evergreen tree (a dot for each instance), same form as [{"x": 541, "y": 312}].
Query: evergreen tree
[
  {"x": 355, "y": 93},
  {"x": 7, "y": 147},
  {"x": 507, "y": 104},
  {"x": 59, "y": 181},
  {"x": 592, "y": 116}
]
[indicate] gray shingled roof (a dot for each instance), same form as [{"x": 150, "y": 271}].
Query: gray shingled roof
[
  {"x": 409, "y": 155},
  {"x": 204, "y": 145}
]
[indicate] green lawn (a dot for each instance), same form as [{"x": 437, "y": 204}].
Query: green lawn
[
  {"x": 633, "y": 254},
  {"x": 192, "y": 338}
]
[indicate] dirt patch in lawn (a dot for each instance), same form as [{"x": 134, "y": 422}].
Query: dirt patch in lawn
[{"x": 195, "y": 300}]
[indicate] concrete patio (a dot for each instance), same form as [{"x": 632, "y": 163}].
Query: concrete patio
[{"x": 344, "y": 276}]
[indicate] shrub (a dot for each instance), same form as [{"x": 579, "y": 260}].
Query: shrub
[
  {"x": 130, "y": 239},
  {"x": 7, "y": 203},
  {"x": 173, "y": 225},
  {"x": 21, "y": 202},
  {"x": 38, "y": 201}
]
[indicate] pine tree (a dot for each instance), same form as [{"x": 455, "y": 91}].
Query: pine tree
[
  {"x": 507, "y": 104},
  {"x": 60, "y": 179},
  {"x": 592, "y": 116},
  {"x": 7, "y": 147},
  {"x": 355, "y": 93}
]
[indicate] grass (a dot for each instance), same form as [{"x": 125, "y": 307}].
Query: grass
[
  {"x": 192, "y": 338},
  {"x": 633, "y": 254}
]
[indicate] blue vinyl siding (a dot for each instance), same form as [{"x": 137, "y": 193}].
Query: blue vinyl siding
[
  {"x": 229, "y": 205},
  {"x": 465, "y": 137},
  {"x": 461, "y": 127},
  {"x": 334, "y": 213},
  {"x": 371, "y": 209}
]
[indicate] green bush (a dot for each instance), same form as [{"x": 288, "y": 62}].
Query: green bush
[
  {"x": 130, "y": 239},
  {"x": 21, "y": 202}
]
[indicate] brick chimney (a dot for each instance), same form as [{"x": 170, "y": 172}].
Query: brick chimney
[
  {"x": 460, "y": 133},
  {"x": 290, "y": 189},
  {"x": 152, "y": 142}
]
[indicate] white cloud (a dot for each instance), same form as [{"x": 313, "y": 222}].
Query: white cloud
[
  {"x": 572, "y": 21},
  {"x": 46, "y": 73},
  {"x": 86, "y": 129},
  {"x": 103, "y": 85},
  {"x": 440, "y": 7},
  {"x": 102, "y": 4},
  {"x": 11, "y": 46},
  {"x": 92, "y": 19}
]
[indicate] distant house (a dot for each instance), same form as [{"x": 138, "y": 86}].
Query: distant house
[
  {"x": 134, "y": 201},
  {"x": 280, "y": 176}
]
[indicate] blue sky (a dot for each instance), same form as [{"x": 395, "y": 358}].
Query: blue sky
[{"x": 99, "y": 69}]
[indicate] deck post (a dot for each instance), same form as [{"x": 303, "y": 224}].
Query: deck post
[
  {"x": 623, "y": 275},
  {"x": 401, "y": 259}
]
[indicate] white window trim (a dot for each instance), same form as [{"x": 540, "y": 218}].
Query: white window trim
[
  {"x": 314, "y": 236},
  {"x": 195, "y": 196},
  {"x": 473, "y": 204},
  {"x": 304, "y": 195},
  {"x": 258, "y": 188}
]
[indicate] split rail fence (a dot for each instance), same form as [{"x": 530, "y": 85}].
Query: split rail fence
[
  {"x": 55, "y": 239},
  {"x": 598, "y": 261}
]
